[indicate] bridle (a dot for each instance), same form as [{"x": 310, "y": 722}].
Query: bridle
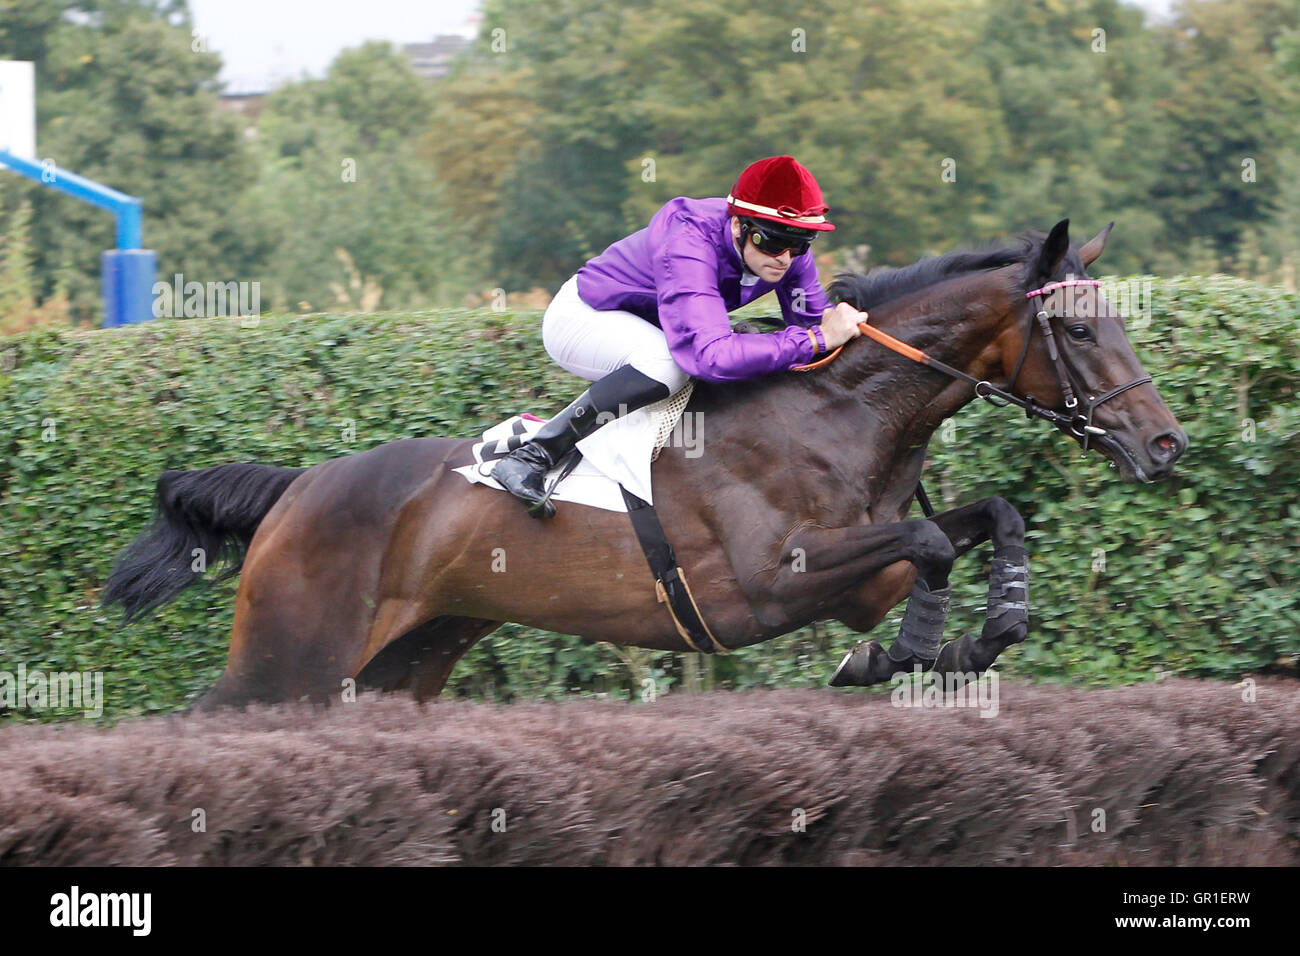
[{"x": 1076, "y": 417}]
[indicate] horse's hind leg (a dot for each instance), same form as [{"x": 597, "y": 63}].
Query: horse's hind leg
[
  {"x": 305, "y": 605},
  {"x": 280, "y": 652},
  {"x": 423, "y": 658}
]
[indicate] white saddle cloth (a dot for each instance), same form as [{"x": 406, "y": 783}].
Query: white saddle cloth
[{"x": 619, "y": 452}]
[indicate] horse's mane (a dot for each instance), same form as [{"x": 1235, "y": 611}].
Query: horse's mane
[{"x": 884, "y": 284}]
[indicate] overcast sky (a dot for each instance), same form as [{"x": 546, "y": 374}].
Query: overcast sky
[{"x": 267, "y": 41}]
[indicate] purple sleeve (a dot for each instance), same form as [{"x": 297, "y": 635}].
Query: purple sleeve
[
  {"x": 694, "y": 319},
  {"x": 801, "y": 295}
]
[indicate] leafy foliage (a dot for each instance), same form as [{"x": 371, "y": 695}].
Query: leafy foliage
[
  {"x": 1069, "y": 107},
  {"x": 342, "y": 170},
  {"x": 568, "y": 123}
]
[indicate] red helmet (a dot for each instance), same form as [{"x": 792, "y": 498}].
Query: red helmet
[{"x": 779, "y": 189}]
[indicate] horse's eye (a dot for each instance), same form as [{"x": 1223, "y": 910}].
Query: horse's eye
[{"x": 1079, "y": 333}]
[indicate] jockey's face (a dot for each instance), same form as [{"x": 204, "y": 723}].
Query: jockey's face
[{"x": 768, "y": 268}]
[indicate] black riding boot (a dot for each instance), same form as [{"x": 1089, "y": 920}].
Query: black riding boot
[{"x": 523, "y": 471}]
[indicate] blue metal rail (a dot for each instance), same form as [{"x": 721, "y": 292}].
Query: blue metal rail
[{"x": 129, "y": 270}]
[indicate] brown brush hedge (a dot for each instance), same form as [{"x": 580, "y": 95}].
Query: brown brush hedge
[{"x": 1181, "y": 772}]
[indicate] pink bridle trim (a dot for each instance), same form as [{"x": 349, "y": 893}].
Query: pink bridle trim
[{"x": 1057, "y": 285}]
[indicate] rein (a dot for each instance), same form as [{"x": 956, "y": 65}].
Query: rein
[{"x": 1078, "y": 420}]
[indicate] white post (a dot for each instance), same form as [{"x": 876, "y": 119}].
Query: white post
[{"x": 18, "y": 108}]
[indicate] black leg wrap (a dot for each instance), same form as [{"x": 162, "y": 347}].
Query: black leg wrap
[
  {"x": 923, "y": 622},
  {"x": 1008, "y": 590}
]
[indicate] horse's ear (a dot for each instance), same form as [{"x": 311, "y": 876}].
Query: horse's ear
[
  {"x": 1054, "y": 249},
  {"x": 1091, "y": 249}
]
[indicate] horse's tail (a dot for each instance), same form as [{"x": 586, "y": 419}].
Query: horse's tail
[{"x": 201, "y": 518}]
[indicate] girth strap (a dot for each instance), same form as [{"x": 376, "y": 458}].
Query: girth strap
[{"x": 670, "y": 581}]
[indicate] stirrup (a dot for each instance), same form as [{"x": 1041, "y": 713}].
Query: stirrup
[{"x": 542, "y": 507}]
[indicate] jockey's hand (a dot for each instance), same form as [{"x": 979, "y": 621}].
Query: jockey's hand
[{"x": 840, "y": 323}]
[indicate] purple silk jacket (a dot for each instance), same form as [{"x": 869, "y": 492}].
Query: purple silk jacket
[{"x": 682, "y": 273}]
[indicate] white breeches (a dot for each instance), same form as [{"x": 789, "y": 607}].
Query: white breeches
[{"x": 591, "y": 343}]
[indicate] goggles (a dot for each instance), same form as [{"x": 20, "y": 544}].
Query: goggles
[{"x": 773, "y": 241}]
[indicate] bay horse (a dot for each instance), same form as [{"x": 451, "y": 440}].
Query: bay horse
[{"x": 386, "y": 567}]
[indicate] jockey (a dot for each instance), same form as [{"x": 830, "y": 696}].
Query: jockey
[{"x": 650, "y": 311}]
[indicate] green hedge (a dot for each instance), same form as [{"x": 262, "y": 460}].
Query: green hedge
[{"x": 1201, "y": 573}]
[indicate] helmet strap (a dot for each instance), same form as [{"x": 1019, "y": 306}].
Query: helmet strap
[{"x": 745, "y": 227}]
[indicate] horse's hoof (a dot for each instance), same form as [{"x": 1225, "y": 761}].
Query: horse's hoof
[
  {"x": 859, "y": 667},
  {"x": 1006, "y": 635},
  {"x": 968, "y": 657},
  {"x": 953, "y": 657}
]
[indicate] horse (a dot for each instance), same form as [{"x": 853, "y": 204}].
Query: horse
[{"x": 379, "y": 570}]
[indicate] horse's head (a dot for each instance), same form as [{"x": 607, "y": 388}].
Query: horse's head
[{"x": 1066, "y": 347}]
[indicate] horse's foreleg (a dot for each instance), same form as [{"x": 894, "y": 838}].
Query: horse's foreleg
[
  {"x": 829, "y": 561},
  {"x": 838, "y": 560},
  {"x": 1007, "y": 620},
  {"x": 422, "y": 659}
]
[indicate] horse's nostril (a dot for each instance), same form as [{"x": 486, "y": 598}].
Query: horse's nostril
[{"x": 1166, "y": 446}]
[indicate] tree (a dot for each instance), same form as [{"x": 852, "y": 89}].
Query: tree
[
  {"x": 637, "y": 103},
  {"x": 1234, "y": 113},
  {"x": 1082, "y": 88},
  {"x": 344, "y": 191}
]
